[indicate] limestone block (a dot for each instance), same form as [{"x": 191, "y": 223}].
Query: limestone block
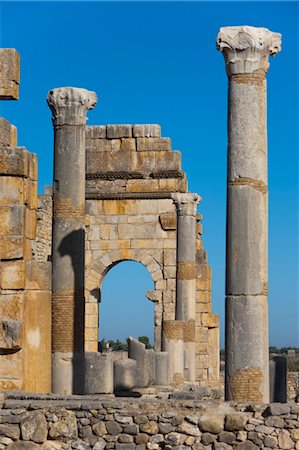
[
  {"x": 119, "y": 131},
  {"x": 128, "y": 144},
  {"x": 168, "y": 221},
  {"x": 65, "y": 427},
  {"x": 11, "y": 385},
  {"x": 169, "y": 243},
  {"x": 146, "y": 131},
  {"x": 125, "y": 374},
  {"x": 8, "y": 133},
  {"x": 210, "y": 320},
  {"x": 91, "y": 309},
  {"x": 153, "y": 144},
  {"x": 9, "y": 74},
  {"x": 154, "y": 296},
  {"x": 91, "y": 321},
  {"x": 144, "y": 162},
  {"x": 97, "y": 162},
  {"x": 116, "y": 244},
  {"x": 146, "y": 243},
  {"x": 98, "y": 373},
  {"x": 148, "y": 185},
  {"x": 201, "y": 348},
  {"x": 37, "y": 341},
  {"x": 10, "y": 334},
  {"x": 168, "y": 161},
  {"x": 120, "y": 161},
  {"x": 11, "y": 247},
  {"x": 30, "y": 193},
  {"x": 105, "y": 145},
  {"x": 91, "y": 334},
  {"x": 11, "y": 306},
  {"x": 11, "y": 191},
  {"x": 168, "y": 297},
  {"x": 14, "y": 161},
  {"x": 13, "y": 274},
  {"x": 169, "y": 272},
  {"x": 203, "y": 308},
  {"x": 30, "y": 223},
  {"x": 203, "y": 296},
  {"x": 96, "y": 132},
  {"x": 173, "y": 184},
  {"x": 32, "y": 171},
  {"x": 169, "y": 257},
  {"x": 12, "y": 220},
  {"x": 38, "y": 275},
  {"x": 130, "y": 231},
  {"x": 201, "y": 334}
]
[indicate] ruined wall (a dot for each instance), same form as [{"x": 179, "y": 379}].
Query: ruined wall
[
  {"x": 145, "y": 423},
  {"x": 25, "y": 290},
  {"x": 131, "y": 173}
]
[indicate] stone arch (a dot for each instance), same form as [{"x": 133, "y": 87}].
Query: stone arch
[{"x": 96, "y": 275}]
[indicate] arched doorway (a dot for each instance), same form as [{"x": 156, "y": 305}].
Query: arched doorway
[{"x": 124, "y": 309}]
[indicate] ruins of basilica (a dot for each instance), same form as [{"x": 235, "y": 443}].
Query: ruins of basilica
[{"x": 119, "y": 193}]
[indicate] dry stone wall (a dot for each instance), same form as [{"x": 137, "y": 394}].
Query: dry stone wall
[{"x": 87, "y": 423}]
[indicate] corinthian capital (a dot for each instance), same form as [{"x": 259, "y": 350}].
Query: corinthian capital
[
  {"x": 247, "y": 49},
  {"x": 186, "y": 203},
  {"x": 69, "y": 105}
]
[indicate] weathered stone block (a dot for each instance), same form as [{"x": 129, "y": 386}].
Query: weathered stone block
[
  {"x": 96, "y": 132},
  {"x": 11, "y": 306},
  {"x": 168, "y": 161},
  {"x": 38, "y": 275},
  {"x": 9, "y": 74},
  {"x": 65, "y": 427},
  {"x": 146, "y": 131},
  {"x": 30, "y": 193},
  {"x": 153, "y": 144},
  {"x": 13, "y": 275},
  {"x": 11, "y": 191},
  {"x": 210, "y": 320},
  {"x": 11, "y": 247},
  {"x": 10, "y": 334},
  {"x": 128, "y": 144},
  {"x": 12, "y": 220},
  {"x": 168, "y": 221},
  {"x": 144, "y": 162},
  {"x": 98, "y": 373},
  {"x": 30, "y": 223},
  {"x": 8, "y": 133},
  {"x": 125, "y": 374},
  {"x": 130, "y": 231},
  {"x": 119, "y": 131},
  {"x": 105, "y": 145},
  {"x": 147, "y": 185},
  {"x": 34, "y": 427},
  {"x": 32, "y": 167}
]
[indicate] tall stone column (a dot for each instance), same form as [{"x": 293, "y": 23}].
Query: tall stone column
[
  {"x": 186, "y": 204},
  {"x": 246, "y": 51},
  {"x": 69, "y": 107}
]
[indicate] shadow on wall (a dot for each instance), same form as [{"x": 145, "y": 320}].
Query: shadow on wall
[{"x": 73, "y": 245}]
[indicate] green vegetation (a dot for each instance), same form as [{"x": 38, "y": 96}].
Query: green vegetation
[{"x": 118, "y": 346}]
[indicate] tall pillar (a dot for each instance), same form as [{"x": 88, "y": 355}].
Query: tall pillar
[
  {"x": 69, "y": 107},
  {"x": 246, "y": 51},
  {"x": 186, "y": 204}
]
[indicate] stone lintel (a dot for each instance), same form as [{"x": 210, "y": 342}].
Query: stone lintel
[
  {"x": 246, "y": 49},
  {"x": 9, "y": 74},
  {"x": 69, "y": 105},
  {"x": 186, "y": 203}
]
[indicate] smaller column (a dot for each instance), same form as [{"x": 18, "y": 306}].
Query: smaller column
[{"x": 186, "y": 205}]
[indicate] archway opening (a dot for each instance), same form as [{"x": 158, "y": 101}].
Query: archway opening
[{"x": 124, "y": 309}]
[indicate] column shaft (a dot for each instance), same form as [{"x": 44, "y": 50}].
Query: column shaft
[
  {"x": 186, "y": 276},
  {"x": 69, "y": 107},
  {"x": 246, "y": 51}
]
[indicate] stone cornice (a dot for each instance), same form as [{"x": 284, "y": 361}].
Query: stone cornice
[
  {"x": 247, "y": 49},
  {"x": 69, "y": 105},
  {"x": 186, "y": 203}
]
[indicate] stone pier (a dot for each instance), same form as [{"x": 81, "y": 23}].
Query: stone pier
[
  {"x": 246, "y": 51},
  {"x": 69, "y": 107},
  {"x": 186, "y": 204}
]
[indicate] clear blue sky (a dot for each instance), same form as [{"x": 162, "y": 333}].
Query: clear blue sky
[{"x": 155, "y": 62}]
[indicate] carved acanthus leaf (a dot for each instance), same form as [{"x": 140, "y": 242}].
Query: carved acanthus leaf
[
  {"x": 186, "y": 203},
  {"x": 69, "y": 105},
  {"x": 247, "y": 49}
]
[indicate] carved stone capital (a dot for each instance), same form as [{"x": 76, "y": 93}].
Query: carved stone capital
[
  {"x": 247, "y": 49},
  {"x": 186, "y": 203},
  {"x": 69, "y": 105}
]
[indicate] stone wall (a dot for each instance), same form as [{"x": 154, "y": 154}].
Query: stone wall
[
  {"x": 131, "y": 174},
  {"x": 43, "y": 242},
  {"x": 145, "y": 423}
]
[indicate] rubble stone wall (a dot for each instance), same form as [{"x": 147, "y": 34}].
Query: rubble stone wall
[{"x": 145, "y": 423}]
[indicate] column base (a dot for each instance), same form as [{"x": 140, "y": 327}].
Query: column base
[{"x": 68, "y": 373}]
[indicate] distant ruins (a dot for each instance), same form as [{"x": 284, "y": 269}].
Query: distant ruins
[{"x": 119, "y": 193}]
